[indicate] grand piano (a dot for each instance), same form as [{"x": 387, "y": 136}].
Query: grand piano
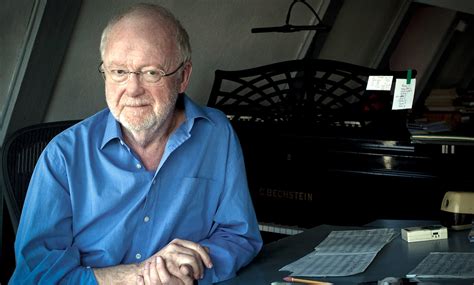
[{"x": 320, "y": 148}]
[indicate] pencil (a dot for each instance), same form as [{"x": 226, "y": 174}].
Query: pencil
[{"x": 305, "y": 281}]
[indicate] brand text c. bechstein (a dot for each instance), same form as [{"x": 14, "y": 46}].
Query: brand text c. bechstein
[{"x": 282, "y": 194}]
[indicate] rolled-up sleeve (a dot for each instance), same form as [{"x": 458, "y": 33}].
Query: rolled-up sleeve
[
  {"x": 236, "y": 239},
  {"x": 44, "y": 246}
]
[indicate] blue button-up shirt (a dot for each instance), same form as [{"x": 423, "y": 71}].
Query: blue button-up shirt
[{"x": 91, "y": 202}]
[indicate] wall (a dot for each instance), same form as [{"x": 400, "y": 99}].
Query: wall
[
  {"x": 466, "y": 6},
  {"x": 32, "y": 58},
  {"x": 363, "y": 30},
  {"x": 14, "y": 16},
  {"x": 17, "y": 27},
  {"x": 425, "y": 38}
]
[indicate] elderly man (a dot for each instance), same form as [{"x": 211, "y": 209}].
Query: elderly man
[{"x": 151, "y": 190}]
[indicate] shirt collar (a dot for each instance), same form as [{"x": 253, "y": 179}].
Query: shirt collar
[
  {"x": 112, "y": 130},
  {"x": 191, "y": 110}
]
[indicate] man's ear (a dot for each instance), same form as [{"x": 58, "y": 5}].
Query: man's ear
[{"x": 185, "y": 76}]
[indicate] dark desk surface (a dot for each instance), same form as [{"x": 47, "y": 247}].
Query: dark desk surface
[{"x": 396, "y": 259}]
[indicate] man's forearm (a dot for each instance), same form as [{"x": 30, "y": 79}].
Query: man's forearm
[{"x": 120, "y": 274}]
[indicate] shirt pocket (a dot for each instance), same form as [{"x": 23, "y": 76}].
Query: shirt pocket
[{"x": 195, "y": 202}]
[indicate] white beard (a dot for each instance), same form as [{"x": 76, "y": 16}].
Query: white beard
[
  {"x": 146, "y": 123},
  {"x": 153, "y": 119}
]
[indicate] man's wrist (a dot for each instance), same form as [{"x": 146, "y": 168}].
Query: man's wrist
[{"x": 120, "y": 274}]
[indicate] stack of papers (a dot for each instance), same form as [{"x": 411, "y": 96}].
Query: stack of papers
[{"x": 342, "y": 253}]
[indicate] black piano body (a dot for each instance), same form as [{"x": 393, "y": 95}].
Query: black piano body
[{"x": 319, "y": 148}]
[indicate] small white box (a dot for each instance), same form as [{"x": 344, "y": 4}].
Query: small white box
[{"x": 433, "y": 232}]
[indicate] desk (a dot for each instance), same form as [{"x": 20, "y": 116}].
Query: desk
[{"x": 396, "y": 259}]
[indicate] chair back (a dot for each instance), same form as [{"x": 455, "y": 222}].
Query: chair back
[{"x": 20, "y": 154}]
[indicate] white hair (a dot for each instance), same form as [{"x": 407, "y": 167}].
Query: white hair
[{"x": 154, "y": 12}]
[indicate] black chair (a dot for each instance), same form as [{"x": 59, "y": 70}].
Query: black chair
[{"x": 20, "y": 153}]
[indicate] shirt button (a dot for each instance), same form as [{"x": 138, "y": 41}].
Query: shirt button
[
  {"x": 154, "y": 182},
  {"x": 138, "y": 256},
  {"x": 146, "y": 219},
  {"x": 138, "y": 166}
]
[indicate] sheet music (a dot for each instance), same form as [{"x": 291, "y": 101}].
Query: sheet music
[
  {"x": 342, "y": 253},
  {"x": 445, "y": 265},
  {"x": 360, "y": 241}
]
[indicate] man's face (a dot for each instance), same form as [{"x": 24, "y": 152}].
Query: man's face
[{"x": 137, "y": 46}]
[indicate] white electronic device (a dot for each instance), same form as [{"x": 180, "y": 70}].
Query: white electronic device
[
  {"x": 457, "y": 210},
  {"x": 433, "y": 232}
]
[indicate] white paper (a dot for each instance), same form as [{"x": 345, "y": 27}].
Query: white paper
[
  {"x": 404, "y": 94},
  {"x": 342, "y": 253},
  {"x": 445, "y": 265},
  {"x": 380, "y": 82}
]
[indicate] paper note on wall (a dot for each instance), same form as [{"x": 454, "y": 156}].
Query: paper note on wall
[{"x": 404, "y": 94}]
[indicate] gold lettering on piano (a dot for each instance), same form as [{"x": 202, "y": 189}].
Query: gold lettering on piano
[{"x": 282, "y": 194}]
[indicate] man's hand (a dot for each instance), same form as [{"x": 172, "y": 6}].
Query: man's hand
[
  {"x": 156, "y": 273},
  {"x": 185, "y": 258},
  {"x": 181, "y": 262}
]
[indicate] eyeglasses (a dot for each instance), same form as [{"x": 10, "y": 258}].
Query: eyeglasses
[{"x": 148, "y": 76}]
